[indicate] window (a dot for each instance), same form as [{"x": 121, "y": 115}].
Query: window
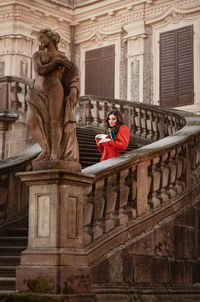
[
  {"x": 176, "y": 67},
  {"x": 100, "y": 71}
]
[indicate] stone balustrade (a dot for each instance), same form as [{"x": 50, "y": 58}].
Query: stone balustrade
[
  {"x": 144, "y": 120},
  {"x": 125, "y": 189},
  {"x": 152, "y": 181},
  {"x": 13, "y": 93},
  {"x": 13, "y": 193}
]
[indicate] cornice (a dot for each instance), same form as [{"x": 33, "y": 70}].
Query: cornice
[
  {"x": 172, "y": 11},
  {"x": 150, "y": 13},
  {"x": 41, "y": 8}
]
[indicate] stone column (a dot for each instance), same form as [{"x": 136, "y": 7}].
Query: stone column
[
  {"x": 55, "y": 242},
  {"x": 135, "y": 53}
]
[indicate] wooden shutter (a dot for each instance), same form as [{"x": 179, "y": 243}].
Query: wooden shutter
[
  {"x": 176, "y": 67},
  {"x": 100, "y": 71}
]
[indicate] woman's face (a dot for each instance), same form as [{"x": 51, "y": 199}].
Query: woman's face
[
  {"x": 112, "y": 120},
  {"x": 44, "y": 40}
]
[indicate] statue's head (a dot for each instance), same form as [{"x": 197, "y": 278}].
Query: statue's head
[{"x": 51, "y": 34}]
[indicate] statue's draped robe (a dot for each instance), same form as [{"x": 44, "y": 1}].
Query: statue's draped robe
[{"x": 38, "y": 102}]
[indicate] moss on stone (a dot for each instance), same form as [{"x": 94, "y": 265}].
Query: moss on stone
[{"x": 40, "y": 285}]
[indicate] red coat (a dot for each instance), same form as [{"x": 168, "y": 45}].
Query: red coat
[{"x": 111, "y": 149}]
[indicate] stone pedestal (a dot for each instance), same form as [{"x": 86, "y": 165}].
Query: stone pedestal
[{"x": 55, "y": 250}]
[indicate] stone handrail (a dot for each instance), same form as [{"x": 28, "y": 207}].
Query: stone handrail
[
  {"x": 13, "y": 193},
  {"x": 152, "y": 181},
  {"x": 144, "y": 120},
  {"x": 134, "y": 185}
]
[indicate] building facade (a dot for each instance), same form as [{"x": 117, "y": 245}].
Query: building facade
[{"x": 137, "y": 50}]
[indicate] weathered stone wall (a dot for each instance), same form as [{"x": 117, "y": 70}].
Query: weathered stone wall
[{"x": 168, "y": 253}]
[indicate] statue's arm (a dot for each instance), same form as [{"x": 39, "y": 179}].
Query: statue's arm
[{"x": 43, "y": 69}]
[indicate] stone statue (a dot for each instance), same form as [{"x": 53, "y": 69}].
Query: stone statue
[{"x": 52, "y": 101}]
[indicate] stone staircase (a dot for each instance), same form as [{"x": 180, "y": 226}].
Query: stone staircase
[
  {"x": 15, "y": 239},
  {"x": 89, "y": 154},
  {"x": 13, "y": 242}
]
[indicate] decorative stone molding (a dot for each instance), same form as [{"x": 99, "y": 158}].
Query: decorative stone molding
[
  {"x": 98, "y": 38},
  {"x": 2, "y": 68},
  {"x": 174, "y": 17},
  {"x": 23, "y": 68}
]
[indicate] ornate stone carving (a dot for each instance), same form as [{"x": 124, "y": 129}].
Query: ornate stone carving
[
  {"x": 174, "y": 17},
  {"x": 2, "y": 68},
  {"x": 98, "y": 38},
  {"x": 23, "y": 68}
]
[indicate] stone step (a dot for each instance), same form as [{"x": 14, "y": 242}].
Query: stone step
[
  {"x": 5, "y": 293},
  {"x": 13, "y": 241},
  {"x": 11, "y": 250},
  {"x": 9, "y": 260},
  {"x": 7, "y": 271},
  {"x": 7, "y": 284},
  {"x": 21, "y": 232}
]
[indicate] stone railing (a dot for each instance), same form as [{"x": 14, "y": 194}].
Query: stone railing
[
  {"x": 136, "y": 184},
  {"x": 13, "y": 91},
  {"x": 13, "y": 193},
  {"x": 142, "y": 186},
  {"x": 144, "y": 120}
]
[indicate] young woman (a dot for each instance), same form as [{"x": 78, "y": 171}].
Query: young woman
[{"x": 118, "y": 136}]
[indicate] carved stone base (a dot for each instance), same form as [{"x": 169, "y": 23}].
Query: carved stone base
[
  {"x": 39, "y": 165},
  {"x": 67, "y": 279}
]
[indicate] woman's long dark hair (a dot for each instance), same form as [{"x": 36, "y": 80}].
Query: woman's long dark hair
[{"x": 120, "y": 121}]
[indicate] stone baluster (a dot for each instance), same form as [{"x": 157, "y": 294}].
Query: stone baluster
[
  {"x": 96, "y": 116},
  {"x": 164, "y": 179},
  {"x": 101, "y": 114},
  {"x": 161, "y": 125},
  {"x": 110, "y": 202},
  {"x": 106, "y": 110},
  {"x": 180, "y": 185},
  {"x": 188, "y": 169},
  {"x": 13, "y": 97},
  {"x": 144, "y": 122},
  {"x": 133, "y": 125},
  {"x": 155, "y": 126},
  {"x": 120, "y": 216},
  {"x": 131, "y": 182},
  {"x": 99, "y": 203},
  {"x": 155, "y": 176},
  {"x": 195, "y": 158},
  {"x": 138, "y": 122},
  {"x": 89, "y": 117},
  {"x": 149, "y": 124},
  {"x": 88, "y": 210},
  {"x": 86, "y": 112},
  {"x": 173, "y": 173},
  {"x": 82, "y": 109},
  {"x": 122, "y": 111},
  {"x": 143, "y": 188},
  {"x": 169, "y": 128},
  {"x": 174, "y": 126},
  {"x": 128, "y": 117}
]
